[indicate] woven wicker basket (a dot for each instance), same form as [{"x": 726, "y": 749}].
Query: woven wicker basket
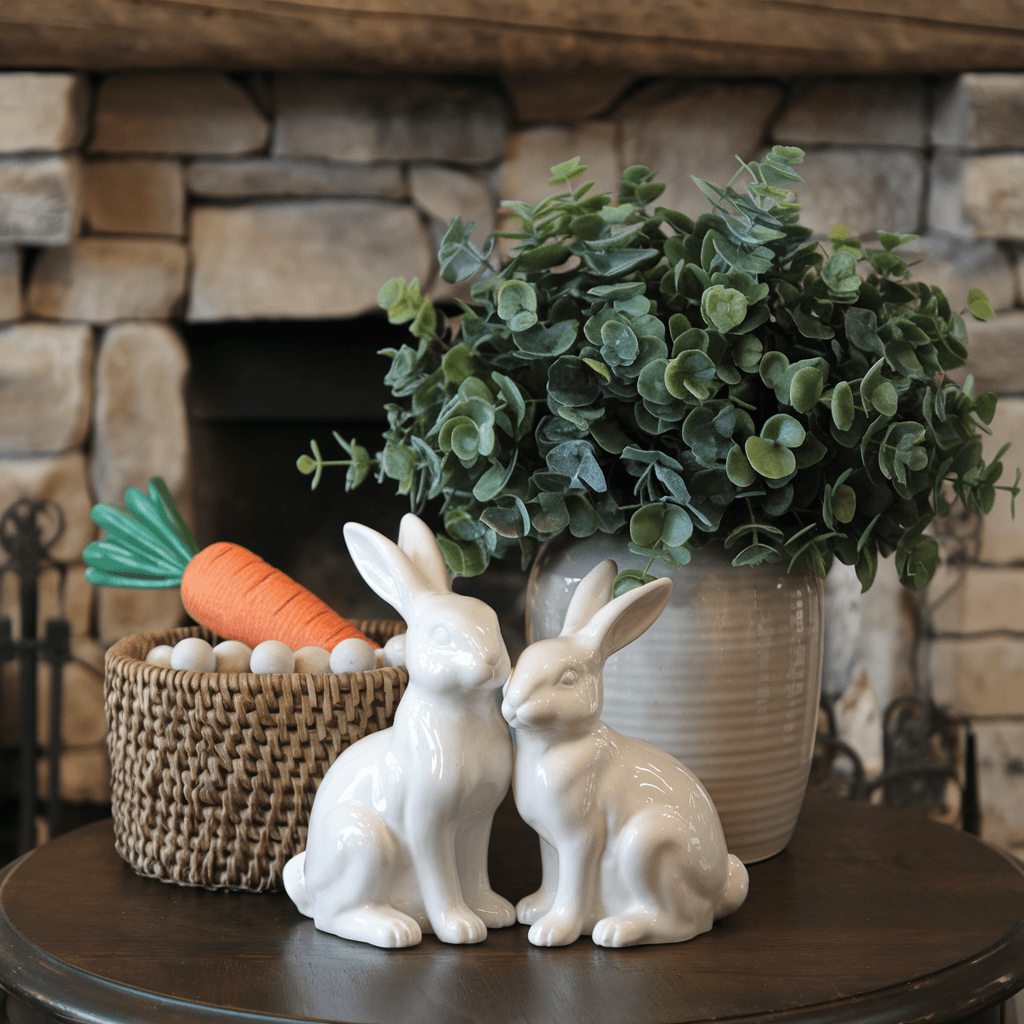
[{"x": 214, "y": 773}]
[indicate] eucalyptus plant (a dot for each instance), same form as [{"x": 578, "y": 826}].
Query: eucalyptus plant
[{"x": 686, "y": 381}]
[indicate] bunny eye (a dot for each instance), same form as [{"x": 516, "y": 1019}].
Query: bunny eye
[
  {"x": 440, "y": 635},
  {"x": 569, "y": 678}
]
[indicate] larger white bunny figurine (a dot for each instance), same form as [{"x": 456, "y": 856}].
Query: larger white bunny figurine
[
  {"x": 631, "y": 845},
  {"x": 400, "y": 825}
]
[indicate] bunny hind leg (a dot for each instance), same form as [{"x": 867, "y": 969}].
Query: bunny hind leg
[
  {"x": 736, "y": 887},
  {"x": 377, "y": 924},
  {"x": 353, "y": 870},
  {"x": 646, "y": 925},
  {"x": 494, "y": 910},
  {"x": 530, "y": 909},
  {"x": 294, "y": 879}
]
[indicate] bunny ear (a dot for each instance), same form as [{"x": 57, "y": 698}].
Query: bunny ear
[
  {"x": 387, "y": 569},
  {"x": 416, "y": 539},
  {"x": 627, "y": 617},
  {"x": 592, "y": 593}
]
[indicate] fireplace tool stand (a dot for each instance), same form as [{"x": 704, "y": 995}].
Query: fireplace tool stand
[{"x": 29, "y": 529}]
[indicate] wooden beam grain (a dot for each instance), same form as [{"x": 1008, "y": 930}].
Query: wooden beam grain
[{"x": 645, "y": 37}]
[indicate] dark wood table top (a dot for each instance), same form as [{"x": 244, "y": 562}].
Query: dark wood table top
[{"x": 870, "y": 915}]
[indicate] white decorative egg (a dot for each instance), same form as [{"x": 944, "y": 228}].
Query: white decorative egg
[
  {"x": 160, "y": 656},
  {"x": 353, "y": 655},
  {"x": 394, "y": 651},
  {"x": 312, "y": 659},
  {"x": 232, "y": 656},
  {"x": 272, "y": 656},
  {"x": 193, "y": 653}
]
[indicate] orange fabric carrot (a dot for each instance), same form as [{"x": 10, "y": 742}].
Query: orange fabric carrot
[
  {"x": 225, "y": 587},
  {"x": 239, "y": 596}
]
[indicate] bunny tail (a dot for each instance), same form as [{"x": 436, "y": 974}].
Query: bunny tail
[
  {"x": 294, "y": 877},
  {"x": 736, "y": 887}
]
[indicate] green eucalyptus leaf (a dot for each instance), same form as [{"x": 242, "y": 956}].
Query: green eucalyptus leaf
[
  {"x": 778, "y": 499},
  {"x": 752, "y": 262},
  {"x": 609, "y": 435},
  {"x": 630, "y": 579},
  {"x": 844, "y": 503},
  {"x": 738, "y": 467},
  {"x": 747, "y": 353},
  {"x": 693, "y": 338},
  {"x": 517, "y": 305},
  {"x": 755, "y": 554},
  {"x": 979, "y": 305},
  {"x": 723, "y": 308},
  {"x": 619, "y": 345},
  {"x": 866, "y": 568},
  {"x": 769, "y": 458},
  {"x": 645, "y": 524},
  {"x": 772, "y": 368},
  {"x": 542, "y": 258},
  {"x": 810, "y": 453},
  {"x": 550, "y": 514},
  {"x": 878, "y": 391},
  {"x": 900, "y": 355},
  {"x": 809, "y": 326},
  {"x": 493, "y": 481},
  {"x": 784, "y": 430},
  {"x": 842, "y": 405},
  {"x": 576, "y": 460},
  {"x": 677, "y": 527},
  {"x": 513, "y": 396},
  {"x": 464, "y": 558},
  {"x": 985, "y": 406},
  {"x": 691, "y": 373},
  {"x": 508, "y": 518},
  {"x": 571, "y": 382},
  {"x": 457, "y": 364},
  {"x": 617, "y": 262},
  {"x": 839, "y": 273},
  {"x": 805, "y": 388},
  {"x": 890, "y": 240},
  {"x": 539, "y": 340}
]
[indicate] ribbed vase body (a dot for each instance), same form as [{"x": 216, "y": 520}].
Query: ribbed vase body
[{"x": 727, "y": 680}]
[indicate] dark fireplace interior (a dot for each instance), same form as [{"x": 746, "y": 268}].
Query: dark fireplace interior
[{"x": 258, "y": 393}]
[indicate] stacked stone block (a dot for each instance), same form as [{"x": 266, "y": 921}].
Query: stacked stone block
[{"x": 137, "y": 202}]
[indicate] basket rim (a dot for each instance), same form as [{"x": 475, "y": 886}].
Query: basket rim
[{"x": 118, "y": 659}]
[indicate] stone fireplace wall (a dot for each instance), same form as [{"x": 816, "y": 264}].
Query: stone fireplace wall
[{"x": 134, "y": 203}]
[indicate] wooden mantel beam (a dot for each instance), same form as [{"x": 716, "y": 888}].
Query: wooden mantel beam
[{"x": 639, "y": 38}]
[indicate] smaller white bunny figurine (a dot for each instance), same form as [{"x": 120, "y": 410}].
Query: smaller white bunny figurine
[
  {"x": 400, "y": 825},
  {"x": 631, "y": 845}
]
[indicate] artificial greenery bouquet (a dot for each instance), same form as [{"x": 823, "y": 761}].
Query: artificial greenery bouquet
[{"x": 688, "y": 381}]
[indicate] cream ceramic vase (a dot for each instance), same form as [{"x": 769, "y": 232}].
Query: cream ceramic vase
[{"x": 727, "y": 680}]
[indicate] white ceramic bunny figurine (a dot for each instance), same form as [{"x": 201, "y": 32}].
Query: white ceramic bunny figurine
[
  {"x": 631, "y": 845},
  {"x": 400, "y": 825}
]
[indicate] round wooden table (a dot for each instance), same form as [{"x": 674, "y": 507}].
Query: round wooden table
[{"x": 870, "y": 915}]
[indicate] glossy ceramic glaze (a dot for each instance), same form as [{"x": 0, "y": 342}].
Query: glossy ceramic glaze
[
  {"x": 727, "y": 680},
  {"x": 632, "y": 848},
  {"x": 400, "y": 825}
]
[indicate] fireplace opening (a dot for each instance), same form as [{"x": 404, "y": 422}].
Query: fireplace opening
[{"x": 258, "y": 392}]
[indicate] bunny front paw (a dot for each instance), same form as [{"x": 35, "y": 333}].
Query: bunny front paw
[
  {"x": 555, "y": 930},
  {"x": 494, "y": 910},
  {"x": 460, "y": 926},
  {"x": 531, "y": 909}
]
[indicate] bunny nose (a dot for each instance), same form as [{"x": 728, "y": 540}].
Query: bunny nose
[{"x": 507, "y": 711}]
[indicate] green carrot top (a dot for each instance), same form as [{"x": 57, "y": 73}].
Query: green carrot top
[{"x": 149, "y": 545}]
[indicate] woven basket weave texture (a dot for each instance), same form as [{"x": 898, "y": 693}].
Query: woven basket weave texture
[{"x": 214, "y": 774}]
